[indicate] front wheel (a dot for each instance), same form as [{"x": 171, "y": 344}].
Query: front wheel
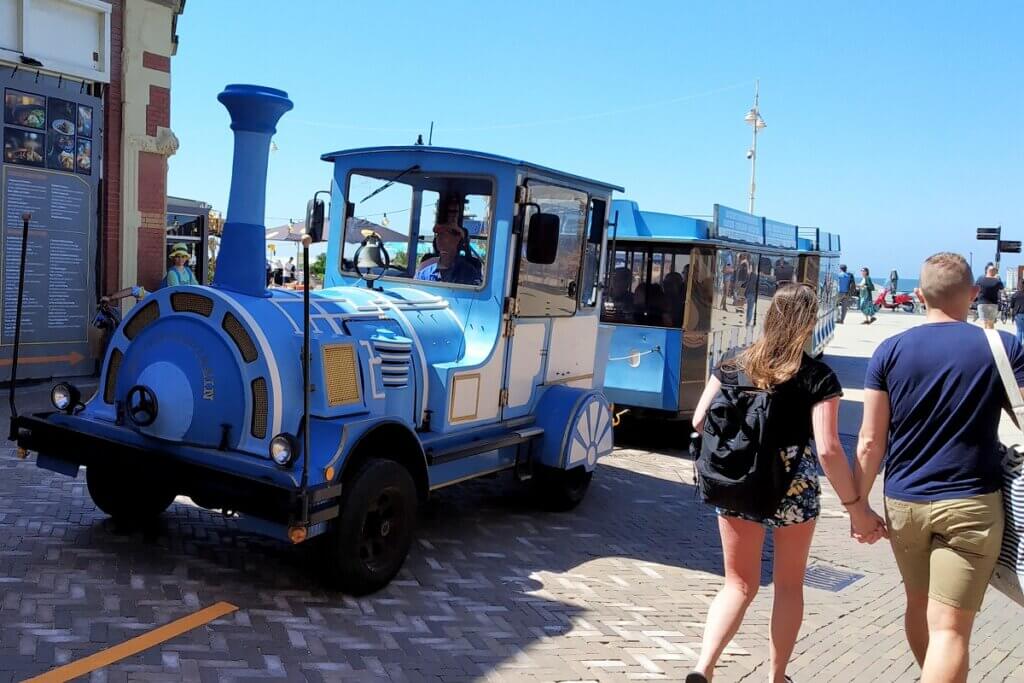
[
  {"x": 561, "y": 490},
  {"x": 127, "y": 498},
  {"x": 375, "y": 528},
  {"x": 908, "y": 307}
]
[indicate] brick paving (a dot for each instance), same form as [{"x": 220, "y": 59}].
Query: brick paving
[{"x": 494, "y": 590}]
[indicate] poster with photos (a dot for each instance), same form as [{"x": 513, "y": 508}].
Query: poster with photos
[
  {"x": 24, "y": 109},
  {"x": 60, "y": 152},
  {"x": 85, "y": 120},
  {"x": 23, "y": 147}
]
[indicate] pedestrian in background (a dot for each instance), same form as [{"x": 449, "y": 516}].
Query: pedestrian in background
[
  {"x": 844, "y": 286},
  {"x": 932, "y": 401},
  {"x": 179, "y": 273},
  {"x": 867, "y": 296},
  {"x": 808, "y": 394},
  {"x": 1017, "y": 310},
  {"x": 989, "y": 287},
  {"x": 894, "y": 282}
]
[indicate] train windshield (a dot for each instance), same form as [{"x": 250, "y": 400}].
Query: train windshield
[
  {"x": 434, "y": 227},
  {"x": 647, "y": 285}
]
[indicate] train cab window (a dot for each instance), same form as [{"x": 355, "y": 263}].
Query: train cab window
[
  {"x": 592, "y": 252},
  {"x": 442, "y": 221},
  {"x": 552, "y": 289},
  {"x": 647, "y": 286},
  {"x": 736, "y": 288}
]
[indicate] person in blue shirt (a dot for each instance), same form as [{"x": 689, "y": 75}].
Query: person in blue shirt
[
  {"x": 454, "y": 262},
  {"x": 844, "y": 287},
  {"x": 179, "y": 273},
  {"x": 933, "y": 398}
]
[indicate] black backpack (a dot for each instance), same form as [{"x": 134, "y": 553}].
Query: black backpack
[{"x": 739, "y": 466}]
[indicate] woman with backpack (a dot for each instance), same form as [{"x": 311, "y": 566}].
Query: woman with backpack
[{"x": 770, "y": 401}]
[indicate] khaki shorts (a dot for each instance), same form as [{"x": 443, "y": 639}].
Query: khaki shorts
[{"x": 947, "y": 547}]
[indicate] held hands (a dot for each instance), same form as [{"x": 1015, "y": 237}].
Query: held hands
[{"x": 865, "y": 524}]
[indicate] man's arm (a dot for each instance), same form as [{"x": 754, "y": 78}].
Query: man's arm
[{"x": 874, "y": 437}]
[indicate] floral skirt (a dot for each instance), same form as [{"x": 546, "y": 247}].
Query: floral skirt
[{"x": 802, "y": 501}]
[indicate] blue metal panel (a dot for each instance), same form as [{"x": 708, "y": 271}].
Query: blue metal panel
[
  {"x": 739, "y": 226},
  {"x": 634, "y": 223},
  {"x": 643, "y": 367},
  {"x": 778, "y": 234}
]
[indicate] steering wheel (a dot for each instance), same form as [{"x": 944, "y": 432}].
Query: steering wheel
[
  {"x": 381, "y": 250},
  {"x": 142, "y": 405}
]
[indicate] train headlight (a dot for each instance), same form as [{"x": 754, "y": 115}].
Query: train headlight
[
  {"x": 64, "y": 397},
  {"x": 283, "y": 450}
]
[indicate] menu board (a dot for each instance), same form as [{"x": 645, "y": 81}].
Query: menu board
[{"x": 49, "y": 169}]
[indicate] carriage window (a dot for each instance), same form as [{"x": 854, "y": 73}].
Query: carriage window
[
  {"x": 553, "y": 289},
  {"x": 647, "y": 286},
  {"x": 736, "y": 288},
  {"x": 403, "y": 207}
]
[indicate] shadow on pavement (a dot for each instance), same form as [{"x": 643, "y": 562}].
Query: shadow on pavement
[{"x": 488, "y": 577}]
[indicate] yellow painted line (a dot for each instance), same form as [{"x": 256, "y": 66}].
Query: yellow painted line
[{"x": 135, "y": 645}]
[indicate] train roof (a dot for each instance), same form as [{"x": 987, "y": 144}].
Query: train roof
[
  {"x": 729, "y": 226},
  {"x": 413, "y": 151}
]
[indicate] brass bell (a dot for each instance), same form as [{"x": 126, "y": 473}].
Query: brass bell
[{"x": 370, "y": 253}]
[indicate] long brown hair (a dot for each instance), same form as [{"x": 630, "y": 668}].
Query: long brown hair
[{"x": 789, "y": 322}]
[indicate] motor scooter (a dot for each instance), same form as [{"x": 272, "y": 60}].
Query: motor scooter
[{"x": 901, "y": 301}]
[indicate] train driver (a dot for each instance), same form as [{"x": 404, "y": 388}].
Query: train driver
[{"x": 454, "y": 261}]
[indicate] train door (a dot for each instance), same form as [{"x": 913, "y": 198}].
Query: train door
[{"x": 548, "y": 341}]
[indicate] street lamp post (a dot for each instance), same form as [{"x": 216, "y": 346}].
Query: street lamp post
[{"x": 753, "y": 117}]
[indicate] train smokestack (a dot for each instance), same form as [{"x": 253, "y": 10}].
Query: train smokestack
[{"x": 255, "y": 111}]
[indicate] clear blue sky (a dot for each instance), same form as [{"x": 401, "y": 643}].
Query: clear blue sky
[{"x": 897, "y": 125}]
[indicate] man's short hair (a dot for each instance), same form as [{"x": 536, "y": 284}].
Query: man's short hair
[
  {"x": 842, "y": 267},
  {"x": 944, "y": 277}
]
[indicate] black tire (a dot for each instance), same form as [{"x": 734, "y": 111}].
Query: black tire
[
  {"x": 561, "y": 490},
  {"x": 125, "y": 496},
  {"x": 908, "y": 308},
  {"x": 375, "y": 528}
]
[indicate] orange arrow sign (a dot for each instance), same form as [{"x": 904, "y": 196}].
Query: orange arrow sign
[{"x": 72, "y": 358}]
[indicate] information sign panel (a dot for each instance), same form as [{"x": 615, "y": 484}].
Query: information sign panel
[{"x": 50, "y": 169}]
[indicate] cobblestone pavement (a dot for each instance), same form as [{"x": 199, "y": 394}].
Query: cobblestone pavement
[{"x": 494, "y": 590}]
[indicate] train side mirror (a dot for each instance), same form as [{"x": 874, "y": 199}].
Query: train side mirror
[
  {"x": 542, "y": 238},
  {"x": 315, "y": 219}
]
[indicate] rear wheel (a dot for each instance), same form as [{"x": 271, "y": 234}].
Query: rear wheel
[
  {"x": 129, "y": 496},
  {"x": 375, "y": 528},
  {"x": 561, "y": 490},
  {"x": 908, "y": 307}
]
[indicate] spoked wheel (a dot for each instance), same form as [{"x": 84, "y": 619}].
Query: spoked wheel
[
  {"x": 375, "y": 528},
  {"x": 125, "y": 496}
]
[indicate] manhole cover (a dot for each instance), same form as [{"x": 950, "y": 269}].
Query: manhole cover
[{"x": 829, "y": 578}]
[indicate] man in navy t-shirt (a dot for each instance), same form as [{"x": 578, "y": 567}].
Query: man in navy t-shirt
[{"x": 933, "y": 396}]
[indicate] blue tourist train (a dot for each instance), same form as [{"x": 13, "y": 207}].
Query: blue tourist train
[
  {"x": 457, "y": 336},
  {"x": 684, "y": 293}
]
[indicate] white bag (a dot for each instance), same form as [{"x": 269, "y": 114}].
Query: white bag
[{"x": 1008, "y": 576}]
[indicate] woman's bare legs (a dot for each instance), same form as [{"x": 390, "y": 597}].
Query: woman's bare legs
[
  {"x": 741, "y": 547},
  {"x": 792, "y": 544}
]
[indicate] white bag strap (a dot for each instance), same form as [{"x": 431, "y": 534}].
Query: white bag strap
[{"x": 1006, "y": 374}]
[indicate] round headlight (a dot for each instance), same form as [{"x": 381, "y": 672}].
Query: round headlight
[
  {"x": 282, "y": 449},
  {"x": 64, "y": 397}
]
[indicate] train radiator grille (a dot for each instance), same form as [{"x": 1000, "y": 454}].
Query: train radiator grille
[
  {"x": 241, "y": 338},
  {"x": 143, "y": 317},
  {"x": 259, "y": 408},
  {"x": 110, "y": 381},
  {"x": 192, "y": 303},
  {"x": 341, "y": 374}
]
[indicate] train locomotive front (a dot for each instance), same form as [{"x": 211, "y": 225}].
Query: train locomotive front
[{"x": 202, "y": 391}]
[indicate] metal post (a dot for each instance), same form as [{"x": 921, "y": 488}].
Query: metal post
[
  {"x": 25, "y": 218},
  {"x": 999, "y": 236},
  {"x": 306, "y": 241},
  {"x": 753, "y": 170}
]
